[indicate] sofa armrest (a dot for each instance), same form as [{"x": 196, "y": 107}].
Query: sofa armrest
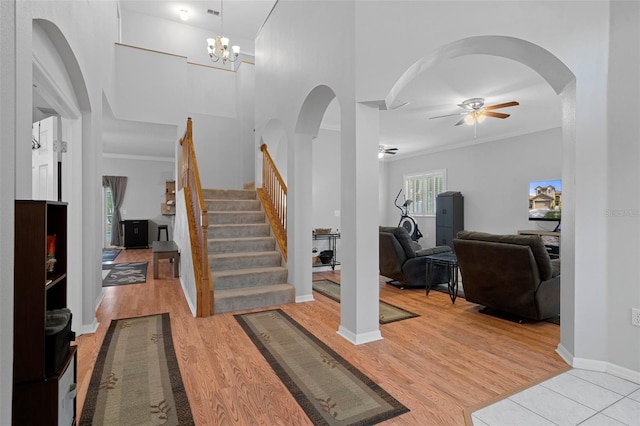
[
  {"x": 433, "y": 250},
  {"x": 555, "y": 267}
]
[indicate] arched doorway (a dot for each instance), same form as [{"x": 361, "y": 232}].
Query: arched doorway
[
  {"x": 60, "y": 92},
  {"x": 560, "y": 78}
]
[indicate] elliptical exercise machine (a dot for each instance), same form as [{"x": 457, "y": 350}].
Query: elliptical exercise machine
[{"x": 406, "y": 221}]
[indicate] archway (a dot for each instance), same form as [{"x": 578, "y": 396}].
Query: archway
[
  {"x": 299, "y": 223},
  {"x": 59, "y": 82},
  {"x": 562, "y": 81},
  {"x": 359, "y": 307}
]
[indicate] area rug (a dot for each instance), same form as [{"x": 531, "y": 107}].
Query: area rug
[
  {"x": 329, "y": 389},
  {"x": 124, "y": 273},
  {"x": 109, "y": 255},
  {"x": 136, "y": 379},
  {"x": 388, "y": 312}
]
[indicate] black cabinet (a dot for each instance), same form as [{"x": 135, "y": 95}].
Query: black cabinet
[
  {"x": 449, "y": 217},
  {"x": 136, "y": 233}
]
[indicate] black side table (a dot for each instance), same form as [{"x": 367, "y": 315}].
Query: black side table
[{"x": 450, "y": 261}]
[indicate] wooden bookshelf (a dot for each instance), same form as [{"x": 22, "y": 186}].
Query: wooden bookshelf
[{"x": 37, "y": 391}]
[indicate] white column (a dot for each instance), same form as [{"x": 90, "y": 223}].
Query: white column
[
  {"x": 299, "y": 224},
  {"x": 359, "y": 307}
]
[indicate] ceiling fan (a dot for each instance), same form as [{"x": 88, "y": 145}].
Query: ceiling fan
[
  {"x": 475, "y": 111},
  {"x": 382, "y": 150}
]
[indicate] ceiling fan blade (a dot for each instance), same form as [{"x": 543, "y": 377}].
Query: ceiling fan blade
[
  {"x": 390, "y": 149},
  {"x": 495, "y": 114},
  {"x": 390, "y": 152},
  {"x": 460, "y": 122},
  {"x": 504, "y": 105},
  {"x": 450, "y": 115}
]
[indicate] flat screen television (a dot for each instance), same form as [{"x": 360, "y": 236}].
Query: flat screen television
[{"x": 545, "y": 200}]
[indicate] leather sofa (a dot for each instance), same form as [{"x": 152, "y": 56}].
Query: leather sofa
[
  {"x": 402, "y": 259},
  {"x": 511, "y": 274}
]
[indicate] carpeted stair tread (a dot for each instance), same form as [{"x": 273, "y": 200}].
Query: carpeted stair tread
[
  {"x": 240, "y": 245},
  {"x": 236, "y": 217},
  {"x": 253, "y": 271},
  {"x": 229, "y": 194},
  {"x": 238, "y": 231},
  {"x": 232, "y": 205},
  {"x": 225, "y": 261},
  {"x": 253, "y": 297},
  {"x": 239, "y": 278}
]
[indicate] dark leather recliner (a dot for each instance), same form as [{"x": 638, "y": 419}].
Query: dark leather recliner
[
  {"x": 509, "y": 273},
  {"x": 402, "y": 259}
]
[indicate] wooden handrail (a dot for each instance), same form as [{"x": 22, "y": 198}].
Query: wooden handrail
[
  {"x": 273, "y": 195},
  {"x": 189, "y": 180}
]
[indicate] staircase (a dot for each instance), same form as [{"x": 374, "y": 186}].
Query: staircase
[{"x": 246, "y": 266}]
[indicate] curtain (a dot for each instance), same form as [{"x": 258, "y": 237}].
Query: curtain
[{"x": 118, "y": 185}]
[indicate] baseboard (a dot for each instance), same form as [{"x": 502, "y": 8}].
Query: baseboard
[
  {"x": 88, "y": 328},
  {"x": 305, "y": 298},
  {"x": 359, "y": 339},
  {"x": 596, "y": 365},
  {"x": 564, "y": 354}
]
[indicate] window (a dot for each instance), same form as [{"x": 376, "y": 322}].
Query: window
[
  {"x": 422, "y": 189},
  {"x": 108, "y": 215}
]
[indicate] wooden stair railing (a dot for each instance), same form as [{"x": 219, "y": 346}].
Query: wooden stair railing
[
  {"x": 189, "y": 180},
  {"x": 273, "y": 195}
]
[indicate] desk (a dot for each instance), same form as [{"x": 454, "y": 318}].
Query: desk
[
  {"x": 450, "y": 261},
  {"x": 166, "y": 250}
]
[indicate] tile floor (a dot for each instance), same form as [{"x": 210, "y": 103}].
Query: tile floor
[{"x": 577, "y": 397}]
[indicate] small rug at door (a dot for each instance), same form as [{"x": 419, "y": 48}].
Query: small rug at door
[
  {"x": 136, "y": 378},
  {"x": 124, "y": 273},
  {"x": 329, "y": 389},
  {"x": 109, "y": 255},
  {"x": 388, "y": 312}
]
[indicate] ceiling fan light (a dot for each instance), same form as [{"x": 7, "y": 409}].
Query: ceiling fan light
[
  {"x": 480, "y": 117},
  {"x": 380, "y": 154},
  {"x": 469, "y": 119}
]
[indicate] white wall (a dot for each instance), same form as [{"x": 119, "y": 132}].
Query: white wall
[
  {"x": 145, "y": 190},
  {"x": 174, "y": 37},
  {"x": 623, "y": 197},
  {"x": 7, "y": 192},
  {"x": 83, "y": 34},
  {"x": 493, "y": 177},
  {"x": 154, "y": 87},
  {"x": 291, "y": 60},
  {"x": 325, "y": 174}
]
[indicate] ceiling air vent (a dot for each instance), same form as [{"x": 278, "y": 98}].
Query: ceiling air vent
[{"x": 213, "y": 12}]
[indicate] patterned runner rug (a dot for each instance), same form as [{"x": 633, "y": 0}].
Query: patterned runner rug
[
  {"x": 124, "y": 273},
  {"x": 388, "y": 312},
  {"x": 136, "y": 379},
  {"x": 329, "y": 389}
]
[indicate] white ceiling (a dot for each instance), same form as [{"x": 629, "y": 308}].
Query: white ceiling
[
  {"x": 439, "y": 90},
  {"x": 242, "y": 18},
  {"x": 436, "y": 92}
]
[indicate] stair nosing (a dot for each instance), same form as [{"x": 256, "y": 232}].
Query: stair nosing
[
  {"x": 244, "y": 254},
  {"x": 233, "y": 272}
]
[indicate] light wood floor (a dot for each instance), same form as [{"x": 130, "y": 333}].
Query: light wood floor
[{"x": 449, "y": 358}]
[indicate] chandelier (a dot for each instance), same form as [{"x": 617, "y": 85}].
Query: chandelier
[{"x": 219, "y": 47}]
